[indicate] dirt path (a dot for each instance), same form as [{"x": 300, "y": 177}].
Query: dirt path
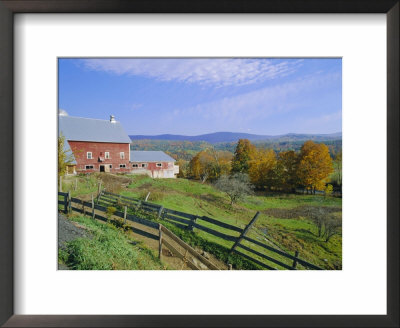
[{"x": 68, "y": 231}]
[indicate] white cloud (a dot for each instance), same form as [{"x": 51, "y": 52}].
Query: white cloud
[
  {"x": 322, "y": 120},
  {"x": 217, "y": 72},
  {"x": 62, "y": 112},
  {"x": 262, "y": 103}
]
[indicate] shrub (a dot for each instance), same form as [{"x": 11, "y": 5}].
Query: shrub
[
  {"x": 236, "y": 186},
  {"x": 328, "y": 190}
]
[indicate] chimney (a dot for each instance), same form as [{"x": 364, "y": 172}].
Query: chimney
[{"x": 112, "y": 119}]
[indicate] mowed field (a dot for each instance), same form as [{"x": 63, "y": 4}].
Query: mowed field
[{"x": 283, "y": 222}]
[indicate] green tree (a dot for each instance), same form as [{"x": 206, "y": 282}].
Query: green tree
[
  {"x": 336, "y": 177},
  {"x": 244, "y": 152},
  {"x": 65, "y": 156}
]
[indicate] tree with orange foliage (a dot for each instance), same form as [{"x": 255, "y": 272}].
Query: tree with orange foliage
[
  {"x": 262, "y": 168},
  {"x": 210, "y": 164},
  {"x": 244, "y": 152},
  {"x": 201, "y": 166},
  {"x": 315, "y": 165},
  {"x": 286, "y": 170}
]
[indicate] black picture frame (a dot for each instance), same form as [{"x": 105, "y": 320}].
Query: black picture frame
[{"x": 10, "y": 7}]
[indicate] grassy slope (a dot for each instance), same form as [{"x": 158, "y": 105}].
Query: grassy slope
[
  {"x": 288, "y": 234},
  {"x": 273, "y": 226},
  {"x": 107, "y": 249}
]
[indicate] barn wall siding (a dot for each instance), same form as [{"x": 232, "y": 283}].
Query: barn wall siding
[
  {"x": 98, "y": 149},
  {"x": 165, "y": 171}
]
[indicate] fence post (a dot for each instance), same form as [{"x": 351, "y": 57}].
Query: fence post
[
  {"x": 66, "y": 204},
  {"x": 76, "y": 183},
  {"x": 98, "y": 196},
  {"x": 296, "y": 254},
  {"x": 125, "y": 210},
  {"x": 147, "y": 197},
  {"x": 60, "y": 184},
  {"x": 159, "y": 241},
  {"x": 92, "y": 207},
  {"x": 139, "y": 204},
  {"x": 99, "y": 188},
  {"x": 69, "y": 202},
  {"x": 244, "y": 232},
  {"x": 160, "y": 211}
]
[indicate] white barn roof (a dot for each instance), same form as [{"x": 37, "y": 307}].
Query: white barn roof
[
  {"x": 89, "y": 129},
  {"x": 150, "y": 156}
]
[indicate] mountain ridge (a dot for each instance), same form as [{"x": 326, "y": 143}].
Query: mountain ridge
[{"x": 218, "y": 137}]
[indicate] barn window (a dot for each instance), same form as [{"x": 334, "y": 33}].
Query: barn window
[
  {"x": 122, "y": 155},
  {"x": 143, "y": 164},
  {"x": 122, "y": 165},
  {"x": 110, "y": 166},
  {"x": 88, "y": 167},
  {"x": 159, "y": 164},
  {"x": 89, "y": 155},
  {"x": 135, "y": 165},
  {"x": 107, "y": 155}
]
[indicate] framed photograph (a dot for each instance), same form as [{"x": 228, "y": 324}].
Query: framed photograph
[{"x": 218, "y": 164}]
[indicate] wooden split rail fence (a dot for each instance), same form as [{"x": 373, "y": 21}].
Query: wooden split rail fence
[
  {"x": 165, "y": 237},
  {"x": 232, "y": 233}
]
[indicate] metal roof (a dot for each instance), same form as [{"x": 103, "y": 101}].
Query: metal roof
[
  {"x": 69, "y": 153},
  {"x": 89, "y": 129},
  {"x": 150, "y": 156}
]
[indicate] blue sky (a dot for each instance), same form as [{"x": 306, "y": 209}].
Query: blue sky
[{"x": 194, "y": 96}]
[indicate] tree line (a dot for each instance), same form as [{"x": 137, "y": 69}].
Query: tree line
[{"x": 312, "y": 167}]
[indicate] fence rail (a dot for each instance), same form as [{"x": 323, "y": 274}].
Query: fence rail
[
  {"x": 188, "y": 221},
  {"x": 78, "y": 205}
]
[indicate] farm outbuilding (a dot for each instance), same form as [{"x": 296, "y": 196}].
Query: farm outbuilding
[
  {"x": 96, "y": 145},
  {"x": 155, "y": 164}
]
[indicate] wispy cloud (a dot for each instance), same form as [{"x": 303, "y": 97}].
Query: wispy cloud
[
  {"x": 261, "y": 103},
  {"x": 316, "y": 123},
  {"x": 216, "y": 72}
]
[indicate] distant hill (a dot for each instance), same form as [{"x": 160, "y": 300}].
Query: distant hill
[{"x": 219, "y": 137}]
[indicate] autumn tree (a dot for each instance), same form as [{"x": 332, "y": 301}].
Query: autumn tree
[
  {"x": 184, "y": 168},
  {"x": 222, "y": 161},
  {"x": 65, "y": 156},
  {"x": 202, "y": 166},
  {"x": 315, "y": 165},
  {"x": 210, "y": 164},
  {"x": 286, "y": 170},
  {"x": 243, "y": 154},
  {"x": 262, "y": 168},
  {"x": 236, "y": 186}
]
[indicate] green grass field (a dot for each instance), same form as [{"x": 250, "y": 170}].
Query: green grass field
[
  {"x": 108, "y": 248},
  {"x": 283, "y": 221}
]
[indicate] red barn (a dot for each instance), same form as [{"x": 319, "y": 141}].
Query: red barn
[
  {"x": 156, "y": 164},
  {"x": 96, "y": 145}
]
